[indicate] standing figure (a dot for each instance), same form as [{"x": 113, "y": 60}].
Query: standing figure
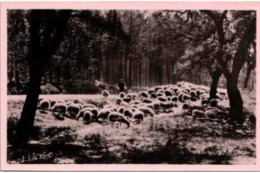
[{"x": 121, "y": 86}]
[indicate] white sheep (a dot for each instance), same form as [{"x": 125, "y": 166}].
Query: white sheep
[
  {"x": 105, "y": 93},
  {"x": 118, "y": 117}
]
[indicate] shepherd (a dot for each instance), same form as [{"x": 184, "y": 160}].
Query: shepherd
[{"x": 121, "y": 86}]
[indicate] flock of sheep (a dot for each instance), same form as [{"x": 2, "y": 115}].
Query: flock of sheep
[{"x": 133, "y": 108}]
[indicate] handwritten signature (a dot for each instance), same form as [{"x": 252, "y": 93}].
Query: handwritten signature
[{"x": 37, "y": 157}]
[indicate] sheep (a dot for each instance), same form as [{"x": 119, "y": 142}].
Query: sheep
[
  {"x": 118, "y": 117},
  {"x": 125, "y": 104},
  {"x": 153, "y": 96},
  {"x": 77, "y": 101},
  {"x": 160, "y": 95},
  {"x": 204, "y": 102},
  {"x": 138, "y": 116},
  {"x": 118, "y": 101},
  {"x": 175, "y": 89},
  {"x": 203, "y": 96},
  {"x": 87, "y": 115},
  {"x": 167, "y": 106},
  {"x": 103, "y": 114},
  {"x": 162, "y": 99},
  {"x": 198, "y": 93},
  {"x": 175, "y": 105},
  {"x": 160, "y": 91},
  {"x": 128, "y": 113},
  {"x": 186, "y": 107},
  {"x": 135, "y": 102},
  {"x": 105, "y": 93},
  {"x": 73, "y": 110},
  {"x": 44, "y": 105},
  {"x": 213, "y": 103},
  {"x": 146, "y": 100},
  {"x": 122, "y": 94},
  {"x": 174, "y": 99},
  {"x": 149, "y": 105},
  {"x": 59, "y": 110},
  {"x": 143, "y": 94},
  {"x": 181, "y": 97},
  {"x": 146, "y": 111},
  {"x": 168, "y": 93},
  {"x": 212, "y": 113},
  {"x": 151, "y": 91},
  {"x": 198, "y": 114},
  {"x": 157, "y": 88},
  {"x": 132, "y": 96},
  {"x": 156, "y": 106},
  {"x": 127, "y": 99},
  {"x": 193, "y": 96}
]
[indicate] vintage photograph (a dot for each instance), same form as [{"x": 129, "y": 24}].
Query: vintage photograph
[{"x": 131, "y": 86}]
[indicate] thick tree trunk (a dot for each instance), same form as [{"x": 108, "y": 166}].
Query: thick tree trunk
[
  {"x": 26, "y": 122},
  {"x": 214, "y": 84},
  {"x": 40, "y": 55},
  {"x": 235, "y": 101}
]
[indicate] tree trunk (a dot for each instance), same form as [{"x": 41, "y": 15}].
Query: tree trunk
[
  {"x": 235, "y": 101},
  {"x": 214, "y": 84},
  {"x": 26, "y": 122},
  {"x": 40, "y": 55}
]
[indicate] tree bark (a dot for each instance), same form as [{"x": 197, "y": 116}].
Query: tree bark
[{"x": 235, "y": 101}]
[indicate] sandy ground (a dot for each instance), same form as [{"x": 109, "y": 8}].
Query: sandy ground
[{"x": 170, "y": 138}]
